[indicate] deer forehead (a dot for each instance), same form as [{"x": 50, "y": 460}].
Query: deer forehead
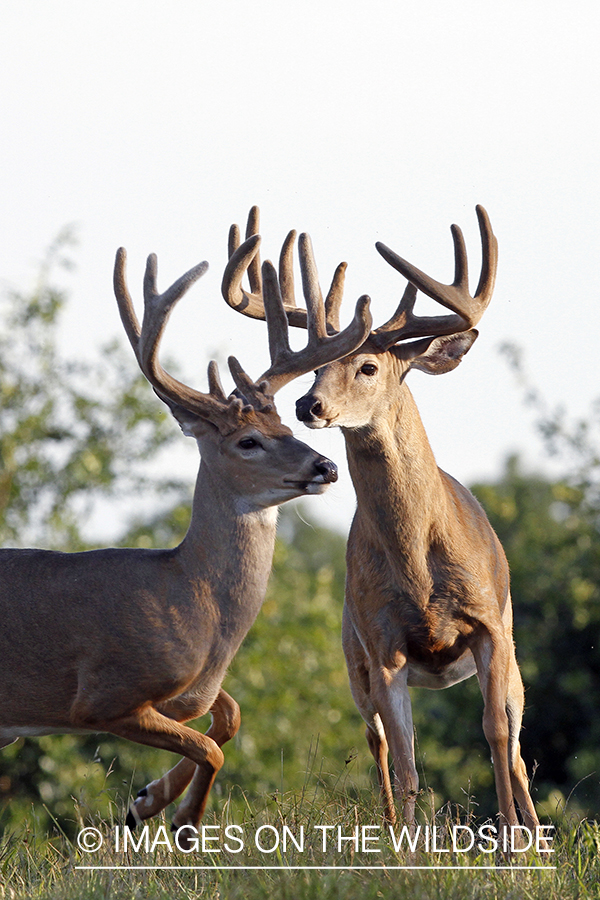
[
  {"x": 259, "y": 424},
  {"x": 343, "y": 371}
]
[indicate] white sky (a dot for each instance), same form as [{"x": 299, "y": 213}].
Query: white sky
[{"x": 154, "y": 125}]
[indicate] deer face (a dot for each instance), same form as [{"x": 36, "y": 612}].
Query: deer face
[
  {"x": 270, "y": 468},
  {"x": 353, "y": 391},
  {"x": 260, "y": 463},
  {"x": 350, "y": 391}
]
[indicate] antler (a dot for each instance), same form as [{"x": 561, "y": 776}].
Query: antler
[
  {"x": 468, "y": 310},
  {"x": 250, "y": 303},
  {"x": 214, "y": 406},
  {"x": 273, "y": 299}
]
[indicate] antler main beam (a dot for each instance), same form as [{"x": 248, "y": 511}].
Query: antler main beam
[{"x": 467, "y": 309}]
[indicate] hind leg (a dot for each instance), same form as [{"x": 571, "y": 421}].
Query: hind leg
[
  {"x": 492, "y": 656},
  {"x": 518, "y": 773}
]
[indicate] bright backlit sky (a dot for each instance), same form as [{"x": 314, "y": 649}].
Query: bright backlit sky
[{"x": 154, "y": 125}]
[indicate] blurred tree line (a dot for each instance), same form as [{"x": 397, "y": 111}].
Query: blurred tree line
[{"x": 72, "y": 432}]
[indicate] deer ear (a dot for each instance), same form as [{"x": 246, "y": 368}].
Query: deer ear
[
  {"x": 190, "y": 424},
  {"x": 440, "y": 355}
]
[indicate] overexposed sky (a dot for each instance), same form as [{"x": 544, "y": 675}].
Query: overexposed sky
[{"x": 154, "y": 125}]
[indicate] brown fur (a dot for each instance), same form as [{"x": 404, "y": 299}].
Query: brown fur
[{"x": 427, "y": 595}]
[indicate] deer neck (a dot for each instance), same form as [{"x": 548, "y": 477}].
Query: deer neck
[
  {"x": 229, "y": 550},
  {"x": 398, "y": 485}
]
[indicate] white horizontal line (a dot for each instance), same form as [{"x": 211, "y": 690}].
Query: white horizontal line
[{"x": 321, "y": 868}]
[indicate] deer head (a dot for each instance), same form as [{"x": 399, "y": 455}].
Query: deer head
[
  {"x": 240, "y": 436},
  {"x": 355, "y": 390}
]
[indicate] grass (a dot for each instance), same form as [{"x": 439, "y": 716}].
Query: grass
[{"x": 36, "y": 866}]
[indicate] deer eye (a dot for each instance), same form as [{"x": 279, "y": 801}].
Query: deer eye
[
  {"x": 368, "y": 369},
  {"x": 247, "y": 443}
]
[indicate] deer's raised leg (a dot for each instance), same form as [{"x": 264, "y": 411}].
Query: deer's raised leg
[
  {"x": 157, "y": 795},
  {"x": 150, "y": 727}
]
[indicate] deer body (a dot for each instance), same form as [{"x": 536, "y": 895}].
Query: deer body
[
  {"x": 137, "y": 642},
  {"x": 427, "y": 592},
  {"x": 429, "y": 529},
  {"x": 204, "y": 595}
]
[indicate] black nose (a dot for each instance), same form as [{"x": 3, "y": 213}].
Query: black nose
[
  {"x": 327, "y": 469},
  {"x": 308, "y": 408}
]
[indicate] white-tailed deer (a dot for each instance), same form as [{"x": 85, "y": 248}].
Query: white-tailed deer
[
  {"x": 427, "y": 595},
  {"x": 137, "y": 642}
]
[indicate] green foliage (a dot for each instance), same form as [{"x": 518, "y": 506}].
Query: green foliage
[
  {"x": 551, "y": 532},
  {"x": 553, "y": 547},
  {"x": 71, "y": 431},
  {"x": 64, "y": 442}
]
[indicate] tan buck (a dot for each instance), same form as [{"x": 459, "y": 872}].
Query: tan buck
[
  {"x": 427, "y": 596},
  {"x": 137, "y": 642}
]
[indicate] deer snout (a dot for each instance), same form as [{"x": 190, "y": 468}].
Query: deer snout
[
  {"x": 327, "y": 469},
  {"x": 309, "y": 408}
]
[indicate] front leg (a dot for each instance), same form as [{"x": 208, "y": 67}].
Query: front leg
[
  {"x": 360, "y": 687},
  {"x": 390, "y": 696},
  {"x": 157, "y": 795},
  {"x": 150, "y": 727}
]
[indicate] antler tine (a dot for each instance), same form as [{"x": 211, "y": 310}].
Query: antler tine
[
  {"x": 215, "y": 387},
  {"x": 489, "y": 261},
  {"x": 158, "y": 308},
  {"x": 334, "y": 298},
  {"x": 145, "y": 340},
  {"x": 253, "y": 228},
  {"x": 321, "y": 347},
  {"x": 467, "y": 309},
  {"x": 296, "y": 315},
  {"x": 128, "y": 316},
  {"x": 311, "y": 288},
  {"x": 286, "y": 278}
]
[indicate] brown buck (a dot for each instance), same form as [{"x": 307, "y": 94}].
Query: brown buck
[
  {"x": 137, "y": 642},
  {"x": 427, "y": 595}
]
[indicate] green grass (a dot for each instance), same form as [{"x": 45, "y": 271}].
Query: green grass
[{"x": 37, "y": 867}]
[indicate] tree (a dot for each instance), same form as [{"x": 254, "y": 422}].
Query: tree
[
  {"x": 71, "y": 431},
  {"x": 549, "y": 531}
]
